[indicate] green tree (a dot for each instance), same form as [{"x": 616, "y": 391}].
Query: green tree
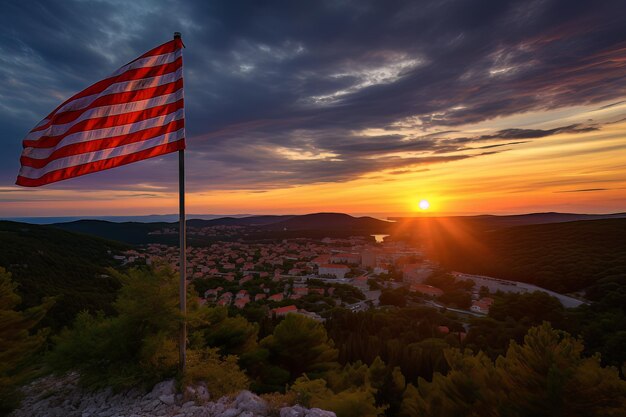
[
  {"x": 548, "y": 376},
  {"x": 220, "y": 373},
  {"x": 355, "y": 401},
  {"x": 393, "y": 298},
  {"x": 300, "y": 344},
  {"x": 18, "y": 343},
  {"x": 140, "y": 344},
  {"x": 545, "y": 376},
  {"x": 232, "y": 335},
  {"x": 137, "y": 346}
]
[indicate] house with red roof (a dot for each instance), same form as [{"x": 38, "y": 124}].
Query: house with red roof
[
  {"x": 283, "y": 311},
  {"x": 276, "y": 297},
  {"x": 426, "y": 290}
]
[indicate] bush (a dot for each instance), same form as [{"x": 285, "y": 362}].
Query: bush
[
  {"x": 221, "y": 374},
  {"x": 18, "y": 343},
  {"x": 138, "y": 346}
]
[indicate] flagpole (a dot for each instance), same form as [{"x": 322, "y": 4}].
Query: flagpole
[{"x": 183, "y": 255}]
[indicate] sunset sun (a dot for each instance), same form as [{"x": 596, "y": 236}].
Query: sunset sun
[{"x": 424, "y": 205}]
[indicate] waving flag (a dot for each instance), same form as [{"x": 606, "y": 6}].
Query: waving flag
[{"x": 135, "y": 114}]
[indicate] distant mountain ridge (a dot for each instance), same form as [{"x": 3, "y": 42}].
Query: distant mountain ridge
[
  {"x": 268, "y": 226},
  {"x": 487, "y": 221},
  {"x": 149, "y": 218},
  {"x": 140, "y": 233}
]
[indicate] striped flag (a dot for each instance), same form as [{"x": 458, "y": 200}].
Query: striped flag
[{"x": 135, "y": 114}]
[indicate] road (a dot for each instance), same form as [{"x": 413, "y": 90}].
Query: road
[{"x": 496, "y": 284}]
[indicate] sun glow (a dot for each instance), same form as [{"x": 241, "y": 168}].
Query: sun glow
[{"x": 424, "y": 205}]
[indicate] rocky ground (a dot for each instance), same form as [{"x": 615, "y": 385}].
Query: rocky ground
[{"x": 62, "y": 397}]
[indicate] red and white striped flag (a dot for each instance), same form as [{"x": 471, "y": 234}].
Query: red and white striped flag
[{"x": 136, "y": 113}]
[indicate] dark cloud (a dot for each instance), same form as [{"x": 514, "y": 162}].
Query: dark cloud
[
  {"x": 584, "y": 190},
  {"x": 521, "y": 134},
  {"x": 500, "y": 144},
  {"x": 276, "y": 90}
]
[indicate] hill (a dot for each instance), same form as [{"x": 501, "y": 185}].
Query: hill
[
  {"x": 564, "y": 257},
  {"x": 487, "y": 222},
  {"x": 332, "y": 221},
  {"x": 263, "y": 227},
  {"x": 129, "y": 232},
  {"x": 46, "y": 261}
]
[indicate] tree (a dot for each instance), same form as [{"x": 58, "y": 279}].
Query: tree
[
  {"x": 533, "y": 308},
  {"x": 221, "y": 374},
  {"x": 545, "y": 376},
  {"x": 138, "y": 346},
  {"x": 355, "y": 401},
  {"x": 393, "y": 297},
  {"x": 300, "y": 344},
  {"x": 232, "y": 335},
  {"x": 18, "y": 343}
]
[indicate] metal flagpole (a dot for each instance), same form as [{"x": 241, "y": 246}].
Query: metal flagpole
[{"x": 183, "y": 254}]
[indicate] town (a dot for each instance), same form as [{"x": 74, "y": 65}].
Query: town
[{"x": 312, "y": 276}]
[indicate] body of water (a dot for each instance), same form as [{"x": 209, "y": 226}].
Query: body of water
[{"x": 379, "y": 238}]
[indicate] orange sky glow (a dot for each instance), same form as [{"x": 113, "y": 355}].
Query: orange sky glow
[{"x": 566, "y": 172}]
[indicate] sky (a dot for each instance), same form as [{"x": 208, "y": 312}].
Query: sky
[{"x": 363, "y": 107}]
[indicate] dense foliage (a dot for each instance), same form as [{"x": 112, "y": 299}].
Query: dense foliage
[
  {"x": 387, "y": 361},
  {"x": 400, "y": 359},
  {"x": 18, "y": 343},
  {"x": 47, "y": 262},
  {"x": 547, "y": 376},
  {"x": 564, "y": 257}
]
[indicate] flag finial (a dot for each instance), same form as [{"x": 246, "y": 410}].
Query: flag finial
[{"x": 177, "y": 35}]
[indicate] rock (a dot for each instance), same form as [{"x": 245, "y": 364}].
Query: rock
[
  {"x": 247, "y": 401},
  {"x": 167, "y": 399},
  {"x": 53, "y": 397},
  {"x": 188, "y": 404},
  {"x": 295, "y": 411},
  {"x": 316, "y": 412},
  {"x": 164, "y": 388},
  {"x": 230, "y": 412},
  {"x": 202, "y": 394}
]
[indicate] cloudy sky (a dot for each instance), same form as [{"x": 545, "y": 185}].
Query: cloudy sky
[{"x": 356, "y": 106}]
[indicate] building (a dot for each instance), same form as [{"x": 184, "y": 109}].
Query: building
[
  {"x": 482, "y": 306},
  {"x": 345, "y": 258},
  {"x": 283, "y": 311},
  {"x": 337, "y": 271},
  {"x": 301, "y": 291},
  {"x": 368, "y": 259},
  {"x": 321, "y": 260},
  {"x": 416, "y": 273},
  {"x": 241, "y": 302},
  {"x": 426, "y": 290},
  {"x": 276, "y": 297}
]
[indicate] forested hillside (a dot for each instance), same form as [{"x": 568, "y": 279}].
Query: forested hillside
[
  {"x": 47, "y": 261},
  {"x": 564, "y": 257}
]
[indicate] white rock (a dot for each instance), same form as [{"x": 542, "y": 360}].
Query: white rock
[
  {"x": 230, "y": 412},
  {"x": 295, "y": 411},
  {"x": 167, "y": 399},
  {"x": 188, "y": 404},
  {"x": 202, "y": 394},
  {"x": 164, "y": 388},
  {"x": 247, "y": 401},
  {"x": 316, "y": 412}
]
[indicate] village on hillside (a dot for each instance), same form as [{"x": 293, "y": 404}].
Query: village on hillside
[{"x": 311, "y": 276}]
